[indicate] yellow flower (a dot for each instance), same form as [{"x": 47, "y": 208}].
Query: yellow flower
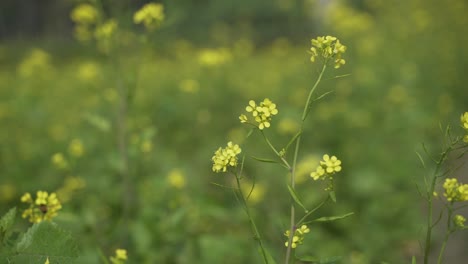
[
  {"x": 328, "y": 48},
  {"x": 120, "y": 256},
  {"x": 464, "y": 120},
  {"x": 106, "y": 30},
  {"x": 328, "y": 166},
  {"x": 176, "y": 179},
  {"x": 76, "y": 148},
  {"x": 45, "y": 206},
  {"x": 459, "y": 220},
  {"x": 455, "y": 191},
  {"x": 150, "y": 15},
  {"x": 84, "y": 14},
  {"x": 261, "y": 113},
  {"x": 298, "y": 237},
  {"x": 225, "y": 157},
  {"x": 59, "y": 161}
]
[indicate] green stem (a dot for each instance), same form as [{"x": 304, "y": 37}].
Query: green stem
[
  {"x": 293, "y": 168},
  {"x": 448, "y": 232},
  {"x": 430, "y": 193},
  {"x": 252, "y": 222},
  {"x": 285, "y": 162}
]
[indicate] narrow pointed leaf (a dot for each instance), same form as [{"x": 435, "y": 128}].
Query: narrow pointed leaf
[
  {"x": 296, "y": 198},
  {"x": 332, "y": 218},
  {"x": 265, "y": 160},
  {"x": 332, "y": 196}
]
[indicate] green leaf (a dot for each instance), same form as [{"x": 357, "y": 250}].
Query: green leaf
[
  {"x": 316, "y": 260},
  {"x": 270, "y": 259},
  {"x": 332, "y": 196},
  {"x": 296, "y": 198},
  {"x": 45, "y": 240},
  {"x": 7, "y": 221},
  {"x": 421, "y": 159},
  {"x": 265, "y": 160},
  {"x": 332, "y": 218},
  {"x": 250, "y": 133}
]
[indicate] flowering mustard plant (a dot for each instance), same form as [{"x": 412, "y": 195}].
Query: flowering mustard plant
[
  {"x": 298, "y": 237},
  {"x": 44, "y": 207},
  {"x": 150, "y": 15},
  {"x": 261, "y": 113},
  {"x": 328, "y": 48},
  {"x": 225, "y": 157}
]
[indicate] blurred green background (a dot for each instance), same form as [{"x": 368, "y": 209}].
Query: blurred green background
[{"x": 136, "y": 168}]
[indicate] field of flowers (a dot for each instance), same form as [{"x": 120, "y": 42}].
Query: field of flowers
[{"x": 120, "y": 127}]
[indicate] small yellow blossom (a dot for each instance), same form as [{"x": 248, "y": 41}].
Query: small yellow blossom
[
  {"x": 328, "y": 166},
  {"x": 47, "y": 261},
  {"x": 261, "y": 113},
  {"x": 459, "y": 220},
  {"x": 76, "y": 148},
  {"x": 84, "y": 14},
  {"x": 120, "y": 256},
  {"x": 225, "y": 157},
  {"x": 176, "y": 179},
  {"x": 150, "y": 15},
  {"x": 298, "y": 237},
  {"x": 464, "y": 120},
  {"x": 45, "y": 206},
  {"x": 328, "y": 47},
  {"x": 59, "y": 161},
  {"x": 106, "y": 30}
]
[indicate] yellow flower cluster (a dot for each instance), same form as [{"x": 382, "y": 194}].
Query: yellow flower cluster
[
  {"x": 150, "y": 15},
  {"x": 225, "y": 157},
  {"x": 298, "y": 237},
  {"x": 261, "y": 113},
  {"x": 459, "y": 220},
  {"x": 85, "y": 16},
  {"x": 455, "y": 191},
  {"x": 464, "y": 123},
  {"x": 44, "y": 207},
  {"x": 328, "y": 166},
  {"x": 328, "y": 48},
  {"x": 120, "y": 256}
]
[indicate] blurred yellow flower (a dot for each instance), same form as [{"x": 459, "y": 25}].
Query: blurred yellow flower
[
  {"x": 76, "y": 148},
  {"x": 189, "y": 86},
  {"x": 7, "y": 192},
  {"x": 146, "y": 146},
  {"x": 84, "y": 14},
  {"x": 59, "y": 161},
  {"x": 36, "y": 63},
  {"x": 120, "y": 256},
  {"x": 255, "y": 195},
  {"x": 214, "y": 57},
  {"x": 69, "y": 187},
  {"x": 150, "y": 15},
  {"x": 88, "y": 71},
  {"x": 176, "y": 179}
]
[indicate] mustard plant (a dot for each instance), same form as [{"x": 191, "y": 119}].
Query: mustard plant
[
  {"x": 260, "y": 116},
  {"x": 454, "y": 192}
]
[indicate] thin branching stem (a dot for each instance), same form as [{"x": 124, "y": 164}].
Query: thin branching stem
[
  {"x": 241, "y": 197},
  {"x": 293, "y": 168}
]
